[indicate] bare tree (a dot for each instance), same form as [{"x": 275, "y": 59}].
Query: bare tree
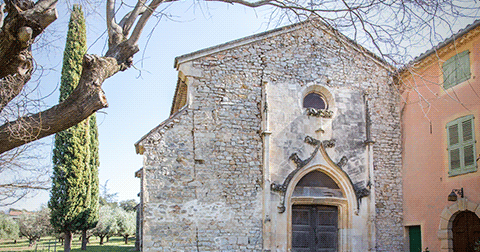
[
  {"x": 389, "y": 28},
  {"x": 23, "y": 173}
]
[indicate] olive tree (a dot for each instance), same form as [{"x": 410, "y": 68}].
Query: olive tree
[
  {"x": 126, "y": 223},
  {"x": 34, "y": 225},
  {"x": 107, "y": 224},
  {"x": 8, "y": 227}
]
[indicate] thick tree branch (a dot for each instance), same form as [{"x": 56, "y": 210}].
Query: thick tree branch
[
  {"x": 20, "y": 30},
  {"x": 87, "y": 98},
  {"x": 24, "y": 186},
  {"x": 140, "y": 7},
  {"x": 137, "y": 31},
  {"x": 12, "y": 86},
  {"x": 115, "y": 35},
  {"x": 2, "y": 14}
]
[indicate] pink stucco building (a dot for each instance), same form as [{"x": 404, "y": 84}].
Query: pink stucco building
[{"x": 441, "y": 129}]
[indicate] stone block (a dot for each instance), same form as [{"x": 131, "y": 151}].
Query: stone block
[
  {"x": 444, "y": 234},
  {"x": 443, "y": 224},
  {"x": 446, "y": 243},
  {"x": 471, "y": 206},
  {"x": 477, "y": 211},
  {"x": 446, "y": 214},
  {"x": 462, "y": 204},
  {"x": 454, "y": 208}
]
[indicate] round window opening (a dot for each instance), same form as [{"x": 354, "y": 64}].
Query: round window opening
[{"x": 314, "y": 100}]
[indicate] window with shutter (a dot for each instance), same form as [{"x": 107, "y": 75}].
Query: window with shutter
[
  {"x": 456, "y": 69},
  {"x": 461, "y": 146}
]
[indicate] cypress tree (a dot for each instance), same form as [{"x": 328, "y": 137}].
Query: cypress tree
[
  {"x": 91, "y": 214},
  {"x": 73, "y": 194}
]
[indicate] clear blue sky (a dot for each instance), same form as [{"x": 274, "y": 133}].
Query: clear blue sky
[{"x": 140, "y": 99}]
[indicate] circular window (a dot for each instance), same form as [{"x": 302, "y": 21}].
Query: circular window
[{"x": 314, "y": 100}]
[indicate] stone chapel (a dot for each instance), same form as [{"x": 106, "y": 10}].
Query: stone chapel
[{"x": 288, "y": 140}]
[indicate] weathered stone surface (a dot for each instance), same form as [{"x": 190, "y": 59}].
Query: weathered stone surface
[{"x": 204, "y": 168}]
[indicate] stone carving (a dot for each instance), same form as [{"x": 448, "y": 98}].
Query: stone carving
[
  {"x": 343, "y": 161},
  {"x": 360, "y": 192},
  {"x": 297, "y": 160},
  {"x": 319, "y": 113},
  {"x": 301, "y": 163},
  {"x": 312, "y": 141},
  {"x": 278, "y": 187},
  {"x": 282, "y": 188},
  {"x": 328, "y": 143}
]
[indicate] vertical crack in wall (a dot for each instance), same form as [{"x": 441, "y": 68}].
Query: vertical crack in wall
[
  {"x": 193, "y": 151},
  {"x": 196, "y": 239}
]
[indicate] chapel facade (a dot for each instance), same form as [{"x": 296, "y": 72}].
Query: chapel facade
[{"x": 288, "y": 140}]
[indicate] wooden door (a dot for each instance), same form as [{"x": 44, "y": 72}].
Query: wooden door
[
  {"x": 466, "y": 231},
  {"x": 314, "y": 228},
  {"x": 415, "y": 238}
]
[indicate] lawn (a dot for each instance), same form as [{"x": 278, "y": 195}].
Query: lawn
[{"x": 50, "y": 244}]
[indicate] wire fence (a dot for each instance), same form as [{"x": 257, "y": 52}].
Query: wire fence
[{"x": 50, "y": 246}]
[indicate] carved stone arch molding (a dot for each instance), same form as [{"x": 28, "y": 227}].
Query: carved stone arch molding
[
  {"x": 326, "y": 94},
  {"x": 321, "y": 89},
  {"x": 319, "y": 158},
  {"x": 447, "y": 216},
  {"x": 346, "y": 205}
]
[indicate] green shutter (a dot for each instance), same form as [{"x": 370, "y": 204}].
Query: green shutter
[
  {"x": 455, "y": 159},
  {"x": 456, "y": 69},
  {"x": 461, "y": 145},
  {"x": 448, "y": 73},
  {"x": 463, "y": 67}
]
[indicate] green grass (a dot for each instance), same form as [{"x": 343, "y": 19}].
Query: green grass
[{"x": 115, "y": 244}]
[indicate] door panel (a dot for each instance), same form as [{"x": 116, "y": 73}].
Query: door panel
[
  {"x": 415, "y": 237},
  {"x": 314, "y": 228}
]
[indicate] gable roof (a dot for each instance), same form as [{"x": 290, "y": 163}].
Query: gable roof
[
  {"x": 252, "y": 39},
  {"x": 275, "y": 32}
]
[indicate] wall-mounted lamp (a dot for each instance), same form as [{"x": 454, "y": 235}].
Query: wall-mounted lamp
[{"x": 453, "y": 195}]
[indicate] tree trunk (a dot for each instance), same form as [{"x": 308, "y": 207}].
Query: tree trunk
[
  {"x": 67, "y": 246},
  {"x": 32, "y": 242},
  {"x": 108, "y": 238},
  {"x": 84, "y": 239},
  {"x": 101, "y": 240},
  {"x": 126, "y": 238}
]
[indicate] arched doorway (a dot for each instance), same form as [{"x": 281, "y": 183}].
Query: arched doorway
[
  {"x": 466, "y": 232},
  {"x": 315, "y": 223}
]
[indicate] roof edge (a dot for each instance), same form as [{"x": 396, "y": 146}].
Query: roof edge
[
  {"x": 447, "y": 41},
  {"x": 274, "y": 32},
  {"x": 138, "y": 145},
  {"x": 236, "y": 43}
]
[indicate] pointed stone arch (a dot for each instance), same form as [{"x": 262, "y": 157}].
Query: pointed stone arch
[
  {"x": 447, "y": 217},
  {"x": 347, "y": 205}
]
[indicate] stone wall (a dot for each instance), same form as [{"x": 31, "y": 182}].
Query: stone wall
[
  {"x": 387, "y": 161},
  {"x": 203, "y": 172},
  {"x": 205, "y": 188}
]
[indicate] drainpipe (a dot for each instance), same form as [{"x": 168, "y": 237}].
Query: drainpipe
[
  {"x": 371, "y": 176},
  {"x": 267, "y": 222}
]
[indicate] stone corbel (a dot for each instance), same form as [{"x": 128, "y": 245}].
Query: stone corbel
[
  {"x": 319, "y": 113},
  {"x": 361, "y": 191},
  {"x": 343, "y": 161}
]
